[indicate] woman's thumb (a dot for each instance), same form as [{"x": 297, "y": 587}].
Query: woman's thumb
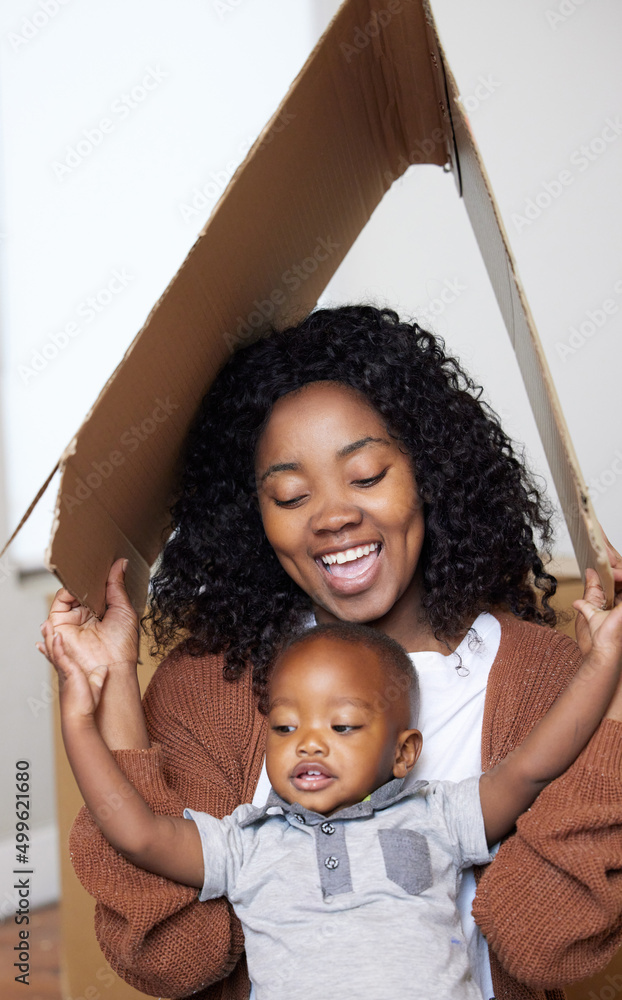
[{"x": 116, "y": 593}]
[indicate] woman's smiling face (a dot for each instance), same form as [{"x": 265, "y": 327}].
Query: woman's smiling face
[{"x": 339, "y": 502}]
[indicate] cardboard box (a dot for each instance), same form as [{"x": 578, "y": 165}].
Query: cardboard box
[{"x": 375, "y": 97}]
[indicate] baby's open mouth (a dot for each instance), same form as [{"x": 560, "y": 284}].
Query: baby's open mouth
[
  {"x": 311, "y": 777},
  {"x": 350, "y": 563}
]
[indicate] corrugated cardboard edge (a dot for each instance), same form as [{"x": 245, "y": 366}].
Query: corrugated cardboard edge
[
  {"x": 476, "y": 189},
  {"x": 30, "y": 509}
]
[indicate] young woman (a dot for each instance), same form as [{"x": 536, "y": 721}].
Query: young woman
[{"x": 346, "y": 469}]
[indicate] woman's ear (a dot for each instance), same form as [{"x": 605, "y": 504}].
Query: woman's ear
[{"x": 409, "y": 744}]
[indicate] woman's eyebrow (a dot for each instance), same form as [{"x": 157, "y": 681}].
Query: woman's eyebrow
[
  {"x": 280, "y": 467},
  {"x": 348, "y": 449}
]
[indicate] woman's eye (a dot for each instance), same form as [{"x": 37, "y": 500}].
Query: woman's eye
[
  {"x": 371, "y": 480},
  {"x": 288, "y": 503},
  {"x": 346, "y": 729}
]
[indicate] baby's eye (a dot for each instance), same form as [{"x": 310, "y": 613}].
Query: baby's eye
[
  {"x": 283, "y": 729},
  {"x": 346, "y": 729}
]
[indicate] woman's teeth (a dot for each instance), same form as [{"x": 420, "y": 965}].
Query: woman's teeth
[{"x": 349, "y": 555}]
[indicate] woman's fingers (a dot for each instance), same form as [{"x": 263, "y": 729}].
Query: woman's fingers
[
  {"x": 586, "y": 608},
  {"x": 593, "y": 590},
  {"x": 616, "y": 567},
  {"x": 88, "y": 640},
  {"x": 593, "y": 597},
  {"x": 118, "y": 604},
  {"x": 604, "y": 627},
  {"x": 63, "y": 602}
]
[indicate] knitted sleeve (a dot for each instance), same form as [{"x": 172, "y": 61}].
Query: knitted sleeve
[
  {"x": 550, "y": 905},
  {"x": 207, "y": 744}
]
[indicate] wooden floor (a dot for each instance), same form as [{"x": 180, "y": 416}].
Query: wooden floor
[{"x": 44, "y": 941}]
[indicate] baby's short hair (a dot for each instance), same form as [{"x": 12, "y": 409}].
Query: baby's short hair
[{"x": 394, "y": 659}]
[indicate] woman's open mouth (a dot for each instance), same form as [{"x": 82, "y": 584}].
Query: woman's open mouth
[{"x": 351, "y": 570}]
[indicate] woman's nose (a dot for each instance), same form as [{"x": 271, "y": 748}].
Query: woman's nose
[{"x": 334, "y": 513}]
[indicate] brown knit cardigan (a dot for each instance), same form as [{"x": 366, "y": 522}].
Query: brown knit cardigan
[{"x": 550, "y": 904}]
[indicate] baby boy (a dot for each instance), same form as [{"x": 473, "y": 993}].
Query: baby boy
[{"x": 345, "y": 881}]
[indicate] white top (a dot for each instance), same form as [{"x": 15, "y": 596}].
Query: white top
[{"x": 450, "y": 718}]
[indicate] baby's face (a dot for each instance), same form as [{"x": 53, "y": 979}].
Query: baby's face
[{"x": 334, "y": 736}]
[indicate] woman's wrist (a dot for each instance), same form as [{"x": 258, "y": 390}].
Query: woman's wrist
[{"x": 120, "y": 717}]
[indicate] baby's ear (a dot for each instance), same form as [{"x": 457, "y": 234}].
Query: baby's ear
[{"x": 408, "y": 748}]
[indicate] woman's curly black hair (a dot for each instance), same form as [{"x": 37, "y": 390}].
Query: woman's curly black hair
[{"x": 219, "y": 584}]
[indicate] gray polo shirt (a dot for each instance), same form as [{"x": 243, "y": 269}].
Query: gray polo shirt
[{"x": 358, "y": 905}]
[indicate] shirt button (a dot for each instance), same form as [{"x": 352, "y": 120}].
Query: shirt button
[
  {"x": 299, "y": 818},
  {"x": 327, "y": 828},
  {"x": 331, "y": 863}
]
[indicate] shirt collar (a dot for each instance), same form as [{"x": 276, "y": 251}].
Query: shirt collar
[{"x": 381, "y": 798}]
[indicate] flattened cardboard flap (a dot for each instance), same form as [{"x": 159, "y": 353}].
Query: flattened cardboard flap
[{"x": 374, "y": 98}]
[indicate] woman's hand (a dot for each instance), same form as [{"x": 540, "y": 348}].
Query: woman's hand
[
  {"x": 91, "y": 643},
  {"x": 593, "y": 593},
  {"x": 604, "y": 627},
  {"x": 106, "y": 649},
  {"x": 605, "y": 631}
]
